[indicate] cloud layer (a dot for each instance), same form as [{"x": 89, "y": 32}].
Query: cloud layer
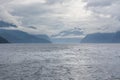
[{"x": 54, "y": 16}]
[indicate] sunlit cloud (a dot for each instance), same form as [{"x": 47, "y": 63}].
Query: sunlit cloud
[{"x": 28, "y": 2}]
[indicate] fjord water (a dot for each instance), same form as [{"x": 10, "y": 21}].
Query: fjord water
[{"x": 59, "y": 62}]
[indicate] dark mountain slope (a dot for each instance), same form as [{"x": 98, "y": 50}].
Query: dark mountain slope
[
  {"x": 2, "y": 40},
  {"x": 16, "y": 36}
]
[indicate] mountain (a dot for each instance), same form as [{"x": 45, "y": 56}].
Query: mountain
[
  {"x": 5, "y": 24},
  {"x": 43, "y": 36},
  {"x": 66, "y": 40},
  {"x": 2, "y": 40},
  {"x": 16, "y": 36},
  {"x": 68, "y": 36},
  {"x": 69, "y": 32},
  {"x": 102, "y": 38}
]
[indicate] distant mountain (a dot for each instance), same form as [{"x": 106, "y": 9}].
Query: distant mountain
[
  {"x": 69, "y": 32},
  {"x": 102, "y": 38},
  {"x": 66, "y": 40},
  {"x": 5, "y": 24},
  {"x": 2, "y": 40},
  {"x": 16, "y": 36},
  {"x": 43, "y": 36}
]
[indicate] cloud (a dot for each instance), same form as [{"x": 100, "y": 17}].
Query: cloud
[
  {"x": 5, "y": 13},
  {"x": 54, "y": 16},
  {"x": 61, "y": 14},
  {"x": 69, "y": 33},
  {"x": 106, "y": 12},
  {"x": 96, "y": 3},
  {"x": 55, "y": 1},
  {"x": 26, "y": 2},
  {"x": 97, "y": 6}
]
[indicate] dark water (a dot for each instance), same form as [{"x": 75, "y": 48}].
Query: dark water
[{"x": 60, "y": 62}]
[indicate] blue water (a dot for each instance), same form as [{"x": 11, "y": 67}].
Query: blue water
[{"x": 59, "y": 62}]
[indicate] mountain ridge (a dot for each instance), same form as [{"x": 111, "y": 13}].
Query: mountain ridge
[
  {"x": 102, "y": 38},
  {"x": 17, "y": 36}
]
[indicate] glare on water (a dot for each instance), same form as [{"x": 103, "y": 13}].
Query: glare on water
[{"x": 59, "y": 62}]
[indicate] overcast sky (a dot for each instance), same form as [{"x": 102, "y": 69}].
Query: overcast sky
[{"x": 53, "y": 16}]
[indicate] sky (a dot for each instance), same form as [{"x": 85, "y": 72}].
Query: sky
[{"x": 54, "y": 17}]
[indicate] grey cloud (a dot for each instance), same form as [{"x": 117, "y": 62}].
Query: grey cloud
[
  {"x": 6, "y": 16},
  {"x": 75, "y": 32},
  {"x": 112, "y": 9},
  {"x": 55, "y": 1},
  {"x": 105, "y": 10},
  {"x": 96, "y": 3},
  {"x": 31, "y": 10},
  {"x": 2, "y": 2},
  {"x": 5, "y": 13},
  {"x": 58, "y": 15},
  {"x": 53, "y": 14},
  {"x": 38, "y": 14}
]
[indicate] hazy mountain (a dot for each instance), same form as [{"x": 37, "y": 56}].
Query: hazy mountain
[
  {"x": 102, "y": 38},
  {"x": 16, "y": 36},
  {"x": 43, "y": 36},
  {"x": 66, "y": 40},
  {"x": 2, "y": 40},
  {"x": 69, "y": 32},
  {"x": 5, "y": 24}
]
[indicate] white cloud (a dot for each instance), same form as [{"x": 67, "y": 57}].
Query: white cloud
[
  {"x": 5, "y": 15},
  {"x": 27, "y": 2}
]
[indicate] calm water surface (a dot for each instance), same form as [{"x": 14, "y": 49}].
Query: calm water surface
[{"x": 59, "y": 62}]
